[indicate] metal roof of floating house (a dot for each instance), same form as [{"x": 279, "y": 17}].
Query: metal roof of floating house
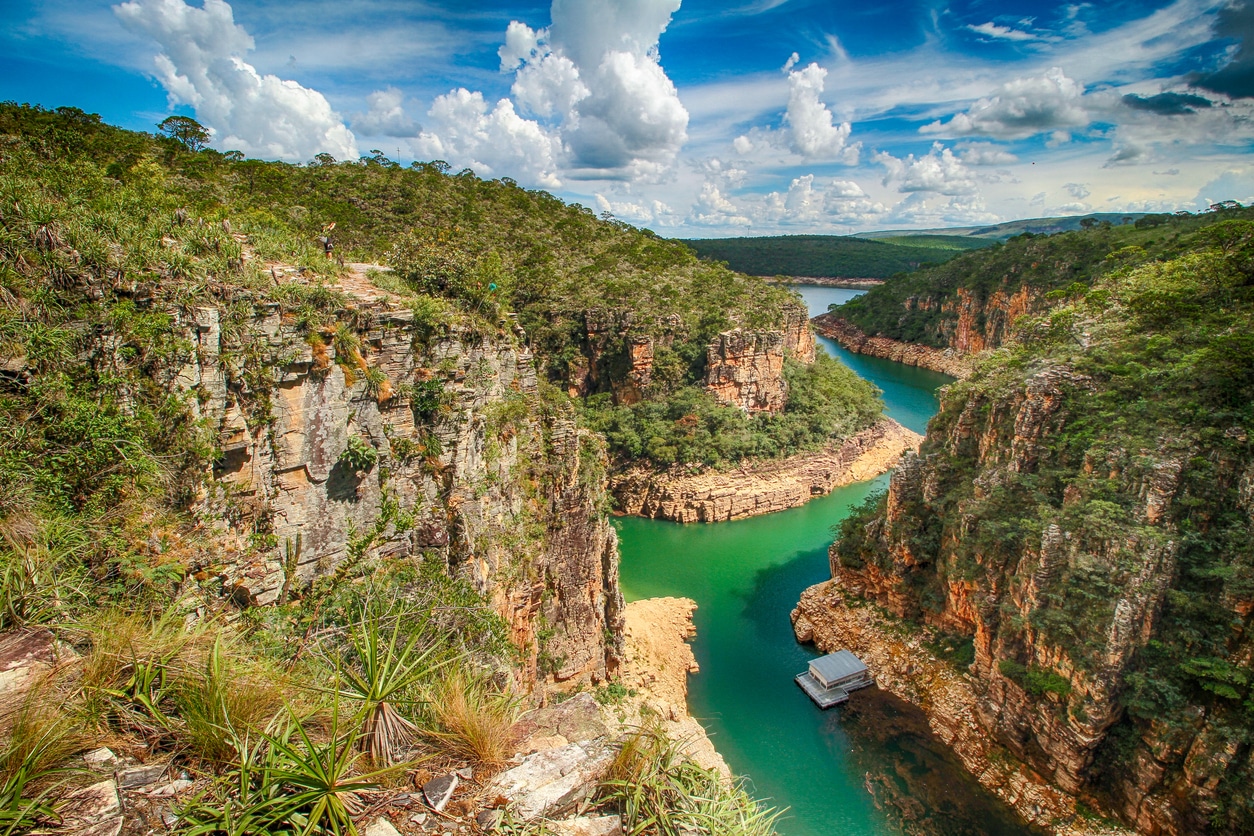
[
  {"x": 830, "y": 678},
  {"x": 837, "y": 666}
]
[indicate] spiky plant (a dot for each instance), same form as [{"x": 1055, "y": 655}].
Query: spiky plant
[{"x": 385, "y": 669}]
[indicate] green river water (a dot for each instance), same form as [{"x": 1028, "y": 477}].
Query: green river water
[{"x": 868, "y": 767}]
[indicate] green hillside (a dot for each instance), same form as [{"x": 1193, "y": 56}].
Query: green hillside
[
  {"x": 1044, "y": 263},
  {"x": 821, "y": 256}
]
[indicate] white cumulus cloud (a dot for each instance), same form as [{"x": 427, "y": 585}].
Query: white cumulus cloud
[
  {"x": 938, "y": 171},
  {"x": 201, "y": 64},
  {"x": 811, "y": 130},
  {"x": 386, "y": 116},
  {"x": 494, "y": 142},
  {"x": 1021, "y": 108}
]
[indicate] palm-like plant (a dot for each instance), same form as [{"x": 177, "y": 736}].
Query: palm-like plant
[{"x": 386, "y": 668}]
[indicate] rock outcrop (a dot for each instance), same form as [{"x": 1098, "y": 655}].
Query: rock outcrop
[
  {"x": 746, "y": 368},
  {"x": 950, "y": 361},
  {"x": 836, "y": 617},
  {"x": 396, "y": 443},
  {"x": 761, "y": 487}
]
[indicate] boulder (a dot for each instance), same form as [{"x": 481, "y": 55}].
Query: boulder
[
  {"x": 587, "y": 826},
  {"x": 551, "y": 782},
  {"x": 95, "y": 810},
  {"x": 380, "y": 827}
]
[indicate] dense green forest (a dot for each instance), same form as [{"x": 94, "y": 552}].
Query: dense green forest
[
  {"x": 1043, "y": 263},
  {"x": 832, "y": 256},
  {"x": 1103, "y": 452}
]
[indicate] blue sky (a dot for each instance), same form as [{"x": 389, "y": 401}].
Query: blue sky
[{"x": 696, "y": 118}]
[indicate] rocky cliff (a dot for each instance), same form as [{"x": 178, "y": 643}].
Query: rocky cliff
[
  {"x": 1091, "y": 537},
  {"x": 378, "y": 440},
  {"x": 761, "y": 487},
  {"x": 948, "y": 361}
]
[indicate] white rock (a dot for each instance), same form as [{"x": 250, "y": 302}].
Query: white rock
[
  {"x": 94, "y": 810},
  {"x": 587, "y": 826},
  {"x": 101, "y": 758},
  {"x": 553, "y": 781},
  {"x": 380, "y": 827}
]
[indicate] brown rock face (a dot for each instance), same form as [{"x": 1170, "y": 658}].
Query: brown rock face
[
  {"x": 1059, "y": 608},
  {"x": 507, "y": 500},
  {"x": 946, "y": 361},
  {"x": 746, "y": 368},
  {"x": 762, "y": 487}
]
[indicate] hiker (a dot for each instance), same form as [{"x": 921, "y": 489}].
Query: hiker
[{"x": 325, "y": 239}]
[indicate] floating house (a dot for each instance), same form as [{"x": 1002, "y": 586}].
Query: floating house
[{"x": 830, "y": 678}]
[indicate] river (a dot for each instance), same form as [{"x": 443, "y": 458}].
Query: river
[{"x": 746, "y": 576}]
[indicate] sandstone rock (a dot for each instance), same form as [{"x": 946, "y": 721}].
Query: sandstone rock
[
  {"x": 949, "y": 361},
  {"x": 488, "y": 820},
  {"x": 576, "y": 720},
  {"x": 95, "y": 810},
  {"x": 380, "y": 827},
  {"x": 439, "y": 791},
  {"x": 587, "y": 826},
  {"x": 102, "y": 758},
  {"x": 763, "y": 487},
  {"x": 551, "y": 782},
  {"x": 141, "y": 776},
  {"x": 25, "y": 655}
]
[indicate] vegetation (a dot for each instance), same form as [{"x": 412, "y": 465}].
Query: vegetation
[
  {"x": 117, "y": 250},
  {"x": 1139, "y": 468},
  {"x": 1051, "y": 267},
  {"x": 826, "y": 400},
  {"x": 832, "y": 256}
]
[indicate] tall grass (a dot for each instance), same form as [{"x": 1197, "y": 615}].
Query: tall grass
[
  {"x": 471, "y": 719},
  {"x": 658, "y": 790}
]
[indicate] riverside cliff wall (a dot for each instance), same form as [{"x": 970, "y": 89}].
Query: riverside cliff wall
[
  {"x": 996, "y": 532},
  {"x": 946, "y": 361},
  {"x": 761, "y": 487},
  {"x": 394, "y": 443}
]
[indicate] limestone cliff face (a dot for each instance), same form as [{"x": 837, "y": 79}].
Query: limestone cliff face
[
  {"x": 762, "y": 487},
  {"x": 948, "y": 361},
  {"x": 1062, "y": 603},
  {"x": 468, "y": 471},
  {"x": 746, "y": 368}
]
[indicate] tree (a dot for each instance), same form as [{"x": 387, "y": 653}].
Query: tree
[{"x": 186, "y": 130}]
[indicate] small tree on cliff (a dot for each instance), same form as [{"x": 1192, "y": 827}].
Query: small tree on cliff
[{"x": 186, "y": 130}]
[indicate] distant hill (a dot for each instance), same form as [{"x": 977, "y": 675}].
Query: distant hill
[
  {"x": 1003, "y": 231},
  {"x": 832, "y": 256}
]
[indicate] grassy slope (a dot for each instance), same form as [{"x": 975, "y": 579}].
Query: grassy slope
[{"x": 1047, "y": 263}]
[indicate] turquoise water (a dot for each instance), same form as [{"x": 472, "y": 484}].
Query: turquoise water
[{"x": 745, "y": 577}]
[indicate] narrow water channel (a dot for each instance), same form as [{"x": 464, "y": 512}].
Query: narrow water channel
[{"x": 869, "y": 767}]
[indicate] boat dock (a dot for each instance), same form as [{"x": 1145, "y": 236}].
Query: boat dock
[{"x": 830, "y": 678}]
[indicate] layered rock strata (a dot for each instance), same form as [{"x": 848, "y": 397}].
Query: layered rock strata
[
  {"x": 762, "y": 487},
  {"x": 835, "y": 617},
  {"x": 948, "y": 361},
  {"x": 746, "y": 368},
  {"x": 393, "y": 444}
]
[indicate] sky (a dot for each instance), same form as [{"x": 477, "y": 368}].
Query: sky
[{"x": 696, "y": 118}]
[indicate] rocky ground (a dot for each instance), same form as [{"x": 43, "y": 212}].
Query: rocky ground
[
  {"x": 563, "y": 750},
  {"x": 833, "y": 618},
  {"x": 763, "y": 487}
]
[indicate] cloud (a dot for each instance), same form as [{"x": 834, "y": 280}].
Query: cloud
[
  {"x": 1167, "y": 104},
  {"x": 1019, "y": 109},
  {"x": 496, "y": 142},
  {"x": 810, "y": 122},
  {"x": 386, "y": 116},
  {"x": 1127, "y": 154},
  {"x": 810, "y": 130},
  {"x": 713, "y": 209},
  {"x": 1002, "y": 33},
  {"x": 985, "y": 153},
  {"x": 1236, "y": 78},
  {"x": 1077, "y": 190},
  {"x": 939, "y": 171},
  {"x": 201, "y": 64}
]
